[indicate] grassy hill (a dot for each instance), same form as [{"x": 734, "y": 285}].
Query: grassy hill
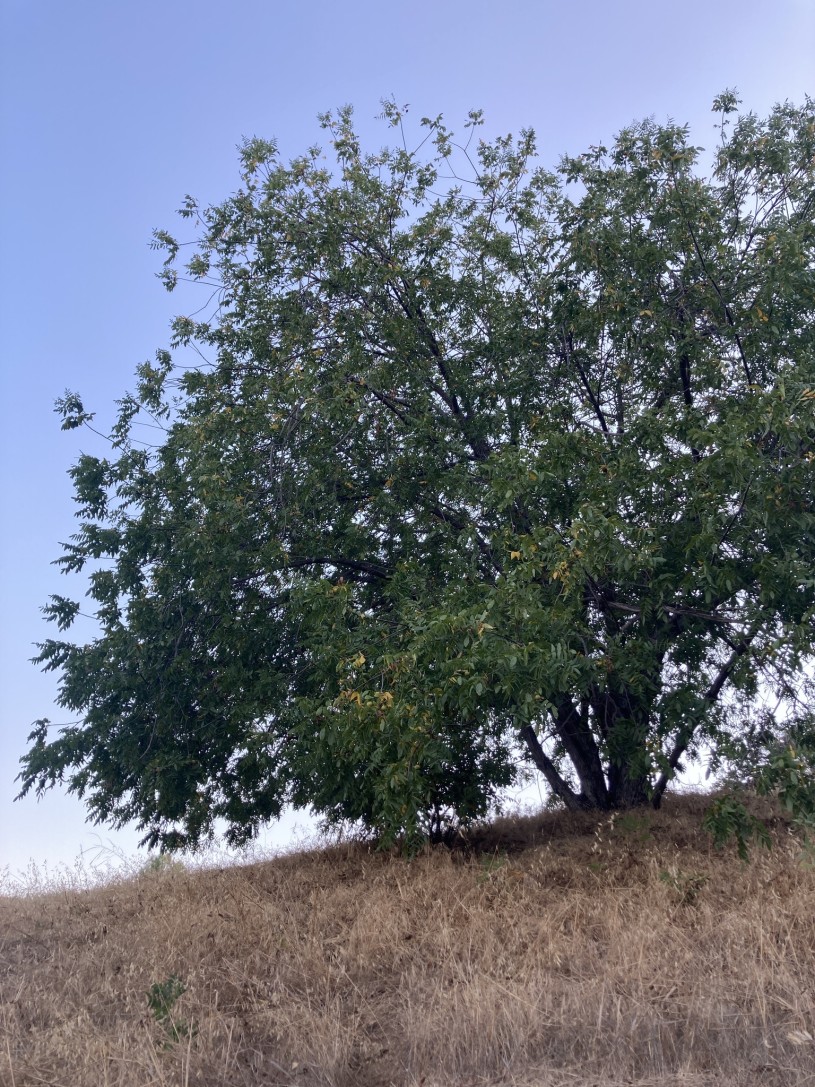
[{"x": 552, "y": 950}]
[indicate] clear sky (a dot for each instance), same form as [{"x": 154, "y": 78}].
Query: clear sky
[{"x": 112, "y": 111}]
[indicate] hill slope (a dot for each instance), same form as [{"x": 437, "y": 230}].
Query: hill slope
[{"x": 550, "y": 951}]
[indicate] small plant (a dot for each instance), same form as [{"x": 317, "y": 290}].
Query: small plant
[
  {"x": 789, "y": 774},
  {"x": 728, "y": 818},
  {"x": 785, "y": 770},
  {"x": 162, "y": 864},
  {"x": 491, "y": 864},
  {"x": 687, "y": 885},
  {"x": 634, "y": 827},
  {"x": 161, "y": 999}
]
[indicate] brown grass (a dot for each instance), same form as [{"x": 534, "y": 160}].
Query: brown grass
[{"x": 552, "y": 951}]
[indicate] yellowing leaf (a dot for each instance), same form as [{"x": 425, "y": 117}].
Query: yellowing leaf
[{"x": 515, "y": 554}]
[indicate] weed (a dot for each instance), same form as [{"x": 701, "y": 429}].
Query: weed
[
  {"x": 161, "y": 1000},
  {"x": 490, "y": 864},
  {"x": 687, "y": 885},
  {"x": 727, "y": 818},
  {"x": 162, "y": 864},
  {"x": 634, "y": 827}
]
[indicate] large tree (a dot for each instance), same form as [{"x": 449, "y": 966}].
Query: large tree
[{"x": 474, "y": 467}]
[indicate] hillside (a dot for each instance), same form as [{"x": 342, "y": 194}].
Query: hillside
[{"x": 546, "y": 951}]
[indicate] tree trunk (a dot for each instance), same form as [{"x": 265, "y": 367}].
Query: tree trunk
[
  {"x": 573, "y": 801},
  {"x": 575, "y": 734},
  {"x": 623, "y": 721},
  {"x": 628, "y": 790},
  {"x": 623, "y": 724}
]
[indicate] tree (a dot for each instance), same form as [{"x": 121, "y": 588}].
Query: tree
[{"x": 479, "y": 467}]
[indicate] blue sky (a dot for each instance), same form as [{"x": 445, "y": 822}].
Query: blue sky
[{"x": 111, "y": 112}]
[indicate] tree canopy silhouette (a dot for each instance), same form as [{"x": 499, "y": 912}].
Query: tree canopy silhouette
[{"x": 482, "y": 467}]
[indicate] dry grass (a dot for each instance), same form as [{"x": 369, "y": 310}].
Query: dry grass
[{"x": 553, "y": 952}]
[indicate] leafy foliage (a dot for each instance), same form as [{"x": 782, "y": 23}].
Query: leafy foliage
[
  {"x": 478, "y": 465},
  {"x": 161, "y": 1000},
  {"x": 728, "y": 818},
  {"x": 789, "y": 773}
]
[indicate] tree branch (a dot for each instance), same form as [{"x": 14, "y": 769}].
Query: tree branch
[
  {"x": 374, "y": 571},
  {"x": 385, "y": 400},
  {"x": 686, "y": 733},
  {"x": 569, "y": 358},
  {"x": 573, "y": 801},
  {"x": 714, "y": 285}
]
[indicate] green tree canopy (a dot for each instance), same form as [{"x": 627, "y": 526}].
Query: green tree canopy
[{"x": 481, "y": 466}]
